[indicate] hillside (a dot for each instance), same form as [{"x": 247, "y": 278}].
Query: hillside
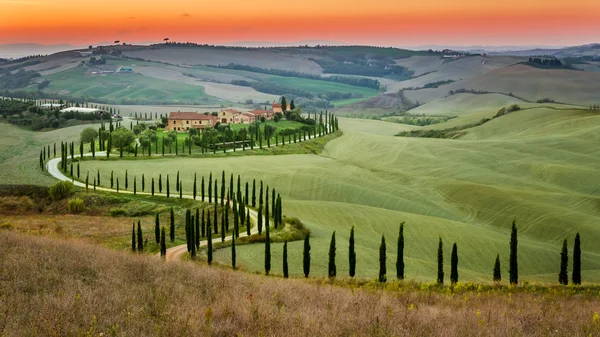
[{"x": 56, "y": 287}]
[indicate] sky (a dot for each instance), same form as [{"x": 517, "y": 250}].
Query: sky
[{"x": 374, "y": 22}]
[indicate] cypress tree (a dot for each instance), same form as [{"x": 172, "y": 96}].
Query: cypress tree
[
  {"x": 232, "y": 250},
  {"x": 197, "y": 233},
  {"x": 133, "y": 241},
  {"x": 514, "y": 267},
  {"x": 157, "y": 229},
  {"x": 454, "y": 265},
  {"x": 267, "y": 251},
  {"x": 216, "y": 192},
  {"x": 180, "y": 190},
  {"x": 126, "y": 180},
  {"x": 231, "y": 187},
  {"x": 497, "y": 273},
  {"x": 222, "y": 189},
  {"x": 203, "y": 225},
  {"x": 168, "y": 187},
  {"x": 134, "y": 185},
  {"x": 440, "y": 260},
  {"x": 153, "y": 186},
  {"x": 223, "y": 230},
  {"x": 576, "y": 276},
  {"x": 216, "y": 220},
  {"x": 194, "y": 187},
  {"x": 400, "y": 254},
  {"x": 209, "y": 240},
  {"x": 177, "y": 180},
  {"x": 140, "y": 238},
  {"x": 236, "y": 218},
  {"x": 332, "y": 270},
  {"x": 253, "y": 193},
  {"x": 172, "y": 226},
  {"x": 97, "y": 174},
  {"x": 163, "y": 243},
  {"x": 192, "y": 237},
  {"x": 78, "y": 174},
  {"x": 267, "y": 216},
  {"x": 563, "y": 275},
  {"x": 160, "y": 183},
  {"x": 246, "y": 196},
  {"x": 210, "y": 188},
  {"x": 273, "y": 203},
  {"x": 117, "y": 184},
  {"x": 248, "y": 222},
  {"x": 382, "y": 261},
  {"x": 260, "y": 218},
  {"x": 260, "y": 196},
  {"x": 202, "y": 188},
  {"x": 306, "y": 256},
  {"x": 71, "y": 169},
  {"x": 351, "y": 255},
  {"x": 285, "y": 260},
  {"x": 87, "y": 180}
]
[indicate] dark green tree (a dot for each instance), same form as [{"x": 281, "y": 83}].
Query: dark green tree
[
  {"x": 332, "y": 271},
  {"x": 260, "y": 195},
  {"x": 267, "y": 251},
  {"x": 400, "y": 254},
  {"x": 306, "y": 256},
  {"x": 382, "y": 261},
  {"x": 285, "y": 260},
  {"x": 454, "y": 264},
  {"x": 133, "y": 241},
  {"x": 209, "y": 240},
  {"x": 194, "y": 191},
  {"x": 140, "y": 238},
  {"x": 253, "y": 192},
  {"x": 576, "y": 276},
  {"x": 514, "y": 266},
  {"x": 247, "y": 190},
  {"x": 210, "y": 188},
  {"x": 152, "y": 186},
  {"x": 163, "y": 243},
  {"x": 168, "y": 187},
  {"x": 563, "y": 275},
  {"x": 233, "y": 250},
  {"x": 440, "y": 261},
  {"x": 172, "y": 226},
  {"x": 260, "y": 219},
  {"x": 351, "y": 255},
  {"x": 160, "y": 183},
  {"x": 126, "y": 180},
  {"x": 157, "y": 228},
  {"x": 497, "y": 273},
  {"x": 247, "y": 218},
  {"x": 177, "y": 180},
  {"x": 202, "y": 188}
]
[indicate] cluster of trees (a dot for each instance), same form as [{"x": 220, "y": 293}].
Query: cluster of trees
[
  {"x": 420, "y": 120},
  {"x": 362, "y": 63},
  {"x": 548, "y": 63},
  {"x": 354, "y": 81},
  {"x": 595, "y": 107},
  {"x": 19, "y": 79},
  {"x": 97, "y": 61},
  {"x": 436, "y": 84}
]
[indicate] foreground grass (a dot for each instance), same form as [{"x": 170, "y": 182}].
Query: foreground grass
[{"x": 58, "y": 287}]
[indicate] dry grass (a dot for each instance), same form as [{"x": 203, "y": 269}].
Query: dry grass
[{"x": 56, "y": 287}]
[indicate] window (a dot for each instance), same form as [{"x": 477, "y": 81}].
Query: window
[
  {"x": 174, "y": 122},
  {"x": 187, "y": 122}
]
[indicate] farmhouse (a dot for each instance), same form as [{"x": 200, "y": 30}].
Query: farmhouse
[
  {"x": 227, "y": 116},
  {"x": 183, "y": 121},
  {"x": 258, "y": 113},
  {"x": 276, "y": 107},
  {"x": 51, "y": 106}
]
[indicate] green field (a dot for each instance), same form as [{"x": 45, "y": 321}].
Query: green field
[
  {"x": 132, "y": 89},
  {"x": 322, "y": 86},
  {"x": 538, "y": 166}
]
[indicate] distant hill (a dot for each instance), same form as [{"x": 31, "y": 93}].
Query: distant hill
[
  {"x": 574, "y": 51},
  {"x": 18, "y": 50}
]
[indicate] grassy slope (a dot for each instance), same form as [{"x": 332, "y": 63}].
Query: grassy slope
[
  {"x": 59, "y": 287},
  {"x": 465, "y": 191},
  {"x": 118, "y": 87}
]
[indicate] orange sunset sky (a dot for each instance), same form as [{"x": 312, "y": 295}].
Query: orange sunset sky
[{"x": 377, "y": 22}]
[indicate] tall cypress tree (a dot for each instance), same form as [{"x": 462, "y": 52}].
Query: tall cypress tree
[
  {"x": 253, "y": 192},
  {"x": 514, "y": 266},
  {"x": 157, "y": 229},
  {"x": 440, "y": 262},
  {"x": 246, "y": 195},
  {"x": 160, "y": 183},
  {"x": 223, "y": 189},
  {"x": 134, "y": 185},
  {"x": 267, "y": 216},
  {"x": 400, "y": 254},
  {"x": 202, "y": 188},
  {"x": 382, "y": 261},
  {"x": 203, "y": 225},
  {"x": 236, "y": 218},
  {"x": 351, "y": 255},
  {"x": 260, "y": 219},
  {"x": 143, "y": 183},
  {"x": 163, "y": 243},
  {"x": 133, "y": 241},
  {"x": 576, "y": 276},
  {"x": 247, "y": 218},
  {"x": 273, "y": 202},
  {"x": 331, "y": 270},
  {"x": 126, "y": 180},
  {"x": 177, "y": 180},
  {"x": 172, "y": 226},
  {"x": 216, "y": 220},
  {"x": 209, "y": 240},
  {"x": 223, "y": 225},
  {"x": 180, "y": 190},
  {"x": 306, "y": 256},
  {"x": 267, "y": 251},
  {"x": 152, "y": 187},
  {"x": 194, "y": 187},
  {"x": 233, "y": 250},
  {"x": 260, "y": 195},
  {"x": 140, "y": 238},
  {"x": 454, "y": 264},
  {"x": 563, "y": 275},
  {"x": 168, "y": 187},
  {"x": 197, "y": 235},
  {"x": 231, "y": 187},
  {"x": 497, "y": 272},
  {"x": 285, "y": 260},
  {"x": 210, "y": 188}
]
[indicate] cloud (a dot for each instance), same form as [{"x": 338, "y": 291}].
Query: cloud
[{"x": 186, "y": 15}]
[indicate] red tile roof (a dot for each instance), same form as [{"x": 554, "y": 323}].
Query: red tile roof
[
  {"x": 232, "y": 111},
  {"x": 179, "y": 115}
]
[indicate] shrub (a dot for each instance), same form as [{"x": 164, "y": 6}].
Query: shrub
[
  {"x": 88, "y": 134},
  {"x": 75, "y": 206},
  {"x": 60, "y": 190},
  {"x": 118, "y": 212}
]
